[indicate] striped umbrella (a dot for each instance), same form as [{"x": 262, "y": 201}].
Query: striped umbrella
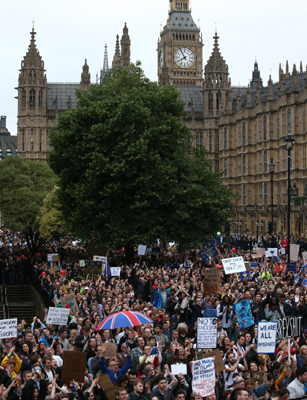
[{"x": 123, "y": 319}]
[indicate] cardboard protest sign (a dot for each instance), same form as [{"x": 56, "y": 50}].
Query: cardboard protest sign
[
  {"x": 218, "y": 360},
  {"x": 267, "y": 336},
  {"x": 56, "y": 257},
  {"x": 142, "y": 250},
  {"x": 243, "y": 311},
  {"x": 288, "y": 327},
  {"x": 50, "y": 256},
  {"x": 107, "y": 385},
  {"x": 260, "y": 252},
  {"x": 57, "y": 316},
  {"x": 115, "y": 271},
  {"x": 74, "y": 364},
  {"x": 203, "y": 377},
  {"x": 212, "y": 280},
  {"x": 70, "y": 302},
  {"x": 110, "y": 350},
  {"x": 8, "y": 328},
  {"x": 53, "y": 270},
  {"x": 233, "y": 265},
  {"x": 294, "y": 251},
  {"x": 206, "y": 333},
  {"x": 82, "y": 263}
]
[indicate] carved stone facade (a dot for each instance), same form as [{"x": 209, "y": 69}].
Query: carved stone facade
[
  {"x": 40, "y": 102},
  {"x": 243, "y": 128}
]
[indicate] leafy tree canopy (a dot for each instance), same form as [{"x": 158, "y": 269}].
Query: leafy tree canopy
[
  {"x": 50, "y": 219},
  {"x": 128, "y": 174}
]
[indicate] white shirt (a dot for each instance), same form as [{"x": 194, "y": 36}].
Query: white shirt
[
  {"x": 296, "y": 389},
  {"x": 228, "y": 375}
]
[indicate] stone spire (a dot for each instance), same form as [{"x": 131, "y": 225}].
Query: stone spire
[
  {"x": 216, "y": 63},
  {"x": 117, "y": 59},
  {"x": 164, "y": 78},
  {"x": 256, "y": 76},
  {"x": 104, "y": 71},
  {"x": 248, "y": 97},
  {"x": 125, "y": 48},
  {"x": 32, "y": 59},
  {"x": 294, "y": 79},
  {"x": 270, "y": 89},
  {"x": 287, "y": 70},
  {"x": 85, "y": 77},
  {"x": 259, "y": 92}
]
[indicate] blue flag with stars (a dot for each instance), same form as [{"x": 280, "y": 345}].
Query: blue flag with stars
[
  {"x": 207, "y": 252},
  {"x": 172, "y": 265}
]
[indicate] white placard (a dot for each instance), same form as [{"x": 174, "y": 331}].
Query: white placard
[
  {"x": 8, "y": 328},
  {"x": 206, "y": 333},
  {"x": 82, "y": 263},
  {"x": 266, "y": 338},
  {"x": 49, "y": 256},
  {"x": 233, "y": 265},
  {"x": 57, "y": 316},
  {"x": 115, "y": 271},
  {"x": 98, "y": 258},
  {"x": 294, "y": 251},
  {"x": 272, "y": 252},
  {"x": 177, "y": 368},
  {"x": 203, "y": 373},
  {"x": 304, "y": 255},
  {"x": 187, "y": 263},
  {"x": 282, "y": 251},
  {"x": 142, "y": 250}
]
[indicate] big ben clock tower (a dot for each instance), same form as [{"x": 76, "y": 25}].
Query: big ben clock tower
[{"x": 180, "y": 55}]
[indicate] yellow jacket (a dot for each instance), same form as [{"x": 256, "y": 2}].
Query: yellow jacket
[{"x": 17, "y": 365}]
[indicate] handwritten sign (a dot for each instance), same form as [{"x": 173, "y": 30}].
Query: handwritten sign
[
  {"x": 142, "y": 250},
  {"x": 50, "y": 257},
  {"x": 206, "y": 333},
  {"x": 110, "y": 350},
  {"x": 233, "y": 265},
  {"x": 288, "y": 327},
  {"x": 115, "y": 271},
  {"x": 267, "y": 335},
  {"x": 82, "y": 263},
  {"x": 218, "y": 360},
  {"x": 70, "y": 302},
  {"x": 203, "y": 377},
  {"x": 294, "y": 251},
  {"x": 8, "y": 328},
  {"x": 212, "y": 280},
  {"x": 74, "y": 364},
  {"x": 57, "y": 316}
]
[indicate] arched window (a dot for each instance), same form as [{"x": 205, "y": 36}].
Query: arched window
[
  {"x": 225, "y": 168},
  {"x": 225, "y": 139},
  {"x": 265, "y": 163},
  {"x": 32, "y": 140},
  {"x": 244, "y": 164},
  {"x": 23, "y": 99},
  {"x": 244, "y": 194},
  {"x": 32, "y": 98},
  {"x": 210, "y": 142},
  {"x": 40, "y": 99}
]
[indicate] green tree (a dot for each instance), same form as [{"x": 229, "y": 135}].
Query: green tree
[
  {"x": 127, "y": 171},
  {"x": 50, "y": 218},
  {"x": 23, "y": 187}
]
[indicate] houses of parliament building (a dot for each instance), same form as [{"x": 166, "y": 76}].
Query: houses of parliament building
[{"x": 243, "y": 128}]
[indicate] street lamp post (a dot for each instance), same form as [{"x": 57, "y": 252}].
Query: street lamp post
[
  {"x": 289, "y": 146},
  {"x": 271, "y": 166}
]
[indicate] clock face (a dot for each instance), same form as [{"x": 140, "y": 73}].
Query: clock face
[
  {"x": 184, "y": 57},
  {"x": 161, "y": 59}
]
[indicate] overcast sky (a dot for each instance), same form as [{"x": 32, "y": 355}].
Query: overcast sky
[{"x": 68, "y": 31}]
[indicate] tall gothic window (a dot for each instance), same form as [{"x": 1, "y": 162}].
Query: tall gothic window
[
  {"x": 32, "y": 98},
  {"x": 40, "y": 99},
  {"x": 23, "y": 141},
  {"x": 244, "y": 164},
  {"x": 210, "y": 101},
  {"x": 210, "y": 142},
  {"x": 23, "y": 99},
  {"x": 265, "y": 134},
  {"x": 199, "y": 139},
  {"x": 225, "y": 169},
  {"x": 32, "y": 140},
  {"x": 265, "y": 162},
  {"x": 244, "y": 134},
  {"x": 289, "y": 122},
  {"x": 225, "y": 139},
  {"x": 244, "y": 194},
  {"x": 40, "y": 140},
  {"x": 265, "y": 193},
  {"x": 218, "y": 96}
]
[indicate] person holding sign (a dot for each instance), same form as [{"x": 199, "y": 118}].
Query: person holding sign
[{"x": 112, "y": 369}]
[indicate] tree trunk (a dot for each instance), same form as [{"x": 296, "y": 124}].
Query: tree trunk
[{"x": 129, "y": 251}]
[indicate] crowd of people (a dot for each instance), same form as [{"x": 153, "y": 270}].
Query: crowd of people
[{"x": 173, "y": 298}]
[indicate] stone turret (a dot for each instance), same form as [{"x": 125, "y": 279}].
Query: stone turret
[{"x": 85, "y": 77}]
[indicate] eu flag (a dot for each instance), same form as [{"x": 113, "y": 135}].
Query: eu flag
[
  {"x": 207, "y": 252},
  {"x": 245, "y": 275},
  {"x": 172, "y": 265}
]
